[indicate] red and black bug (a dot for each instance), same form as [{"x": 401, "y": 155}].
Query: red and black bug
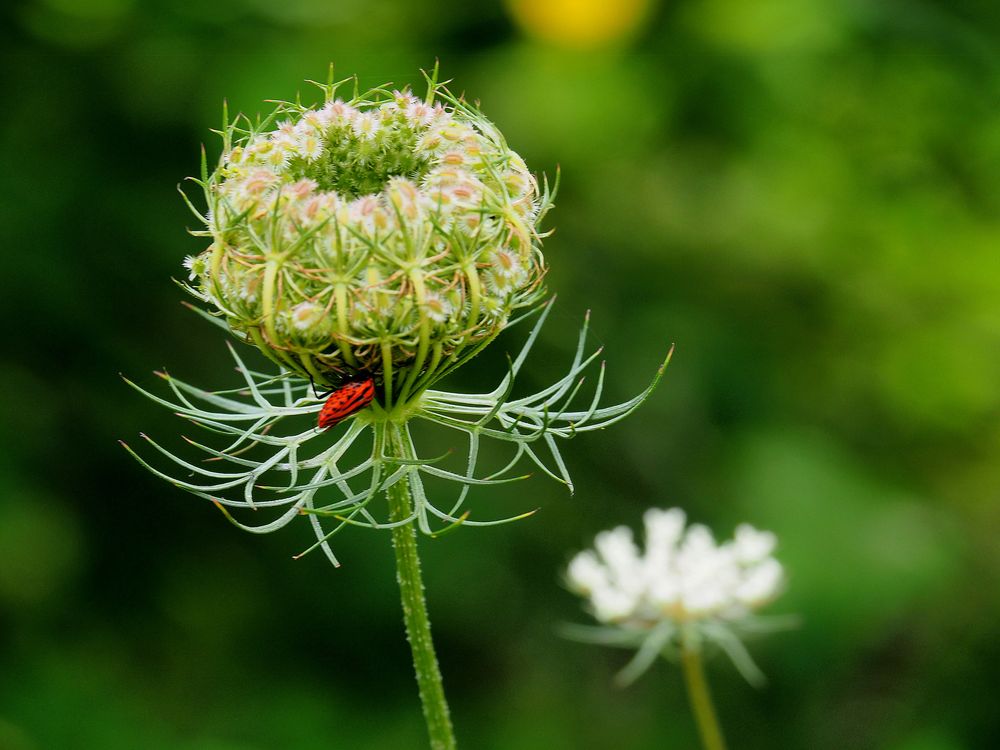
[{"x": 345, "y": 401}]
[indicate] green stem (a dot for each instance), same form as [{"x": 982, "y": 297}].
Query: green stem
[
  {"x": 701, "y": 698},
  {"x": 411, "y": 590}
]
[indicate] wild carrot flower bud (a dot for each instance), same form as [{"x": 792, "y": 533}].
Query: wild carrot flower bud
[
  {"x": 379, "y": 233},
  {"x": 683, "y": 585},
  {"x": 390, "y": 238}
]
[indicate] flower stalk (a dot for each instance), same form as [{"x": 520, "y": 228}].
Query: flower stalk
[
  {"x": 411, "y": 591},
  {"x": 700, "y": 696}
]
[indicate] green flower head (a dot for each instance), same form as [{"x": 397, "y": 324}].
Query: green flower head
[
  {"x": 377, "y": 241},
  {"x": 377, "y": 233}
]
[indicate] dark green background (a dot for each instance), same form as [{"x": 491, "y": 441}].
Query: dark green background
[{"x": 804, "y": 195}]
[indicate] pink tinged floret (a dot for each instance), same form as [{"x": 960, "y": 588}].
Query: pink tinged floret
[
  {"x": 325, "y": 115},
  {"x": 310, "y": 122},
  {"x": 419, "y": 113},
  {"x": 465, "y": 192},
  {"x": 350, "y": 114},
  {"x": 367, "y": 213},
  {"x": 259, "y": 180},
  {"x": 404, "y": 99},
  {"x": 302, "y": 188},
  {"x": 337, "y": 113},
  {"x": 320, "y": 206},
  {"x": 364, "y": 206}
]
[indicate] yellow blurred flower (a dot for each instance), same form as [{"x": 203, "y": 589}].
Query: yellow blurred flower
[{"x": 581, "y": 24}]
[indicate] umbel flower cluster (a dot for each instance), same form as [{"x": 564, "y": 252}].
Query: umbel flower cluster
[
  {"x": 377, "y": 234},
  {"x": 684, "y": 586}
]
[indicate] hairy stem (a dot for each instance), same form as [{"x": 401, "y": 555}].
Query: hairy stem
[
  {"x": 411, "y": 590},
  {"x": 701, "y": 698}
]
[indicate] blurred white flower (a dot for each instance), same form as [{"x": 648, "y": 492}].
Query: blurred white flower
[
  {"x": 681, "y": 575},
  {"x": 683, "y": 586}
]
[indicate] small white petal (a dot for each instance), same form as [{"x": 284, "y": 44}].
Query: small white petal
[
  {"x": 663, "y": 527},
  {"x": 618, "y": 549},
  {"x": 752, "y": 545},
  {"x": 611, "y": 604},
  {"x": 586, "y": 574},
  {"x": 762, "y": 583}
]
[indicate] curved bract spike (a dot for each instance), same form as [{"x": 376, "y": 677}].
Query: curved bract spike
[
  {"x": 450, "y": 527},
  {"x": 603, "y": 635},
  {"x": 462, "y": 479},
  {"x": 262, "y": 464},
  {"x": 653, "y": 646},
  {"x": 497, "y": 522}
]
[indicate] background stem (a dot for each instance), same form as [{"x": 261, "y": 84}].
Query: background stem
[
  {"x": 701, "y": 698},
  {"x": 411, "y": 590}
]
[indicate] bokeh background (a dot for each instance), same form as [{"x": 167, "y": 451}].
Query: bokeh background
[{"x": 804, "y": 195}]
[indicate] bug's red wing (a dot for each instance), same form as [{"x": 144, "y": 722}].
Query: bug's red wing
[{"x": 345, "y": 401}]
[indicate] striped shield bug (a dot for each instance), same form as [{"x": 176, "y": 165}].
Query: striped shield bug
[{"x": 345, "y": 401}]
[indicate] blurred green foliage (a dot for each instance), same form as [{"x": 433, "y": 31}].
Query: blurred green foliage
[{"x": 804, "y": 195}]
